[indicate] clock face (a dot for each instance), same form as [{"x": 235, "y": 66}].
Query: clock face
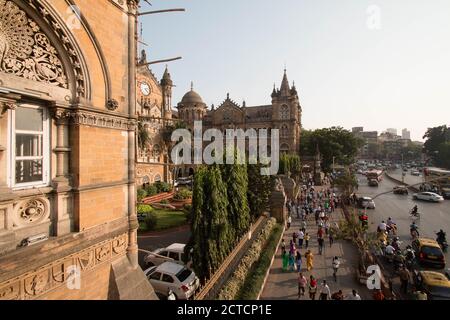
[{"x": 145, "y": 89}]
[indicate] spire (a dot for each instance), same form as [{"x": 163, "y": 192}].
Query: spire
[
  {"x": 166, "y": 79},
  {"x": 285, "y": 89},
  {"x": 274, "y": 92},
  {"x": 192, "y": 85}
]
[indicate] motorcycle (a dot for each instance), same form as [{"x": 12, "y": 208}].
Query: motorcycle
[
  {"x": 443, "y": 244},
  {"x": 415, "y": 215},
  {"x": 414, "y": 234}
]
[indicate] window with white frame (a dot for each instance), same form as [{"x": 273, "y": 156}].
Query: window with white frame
[{"x": 30, "y": 143}]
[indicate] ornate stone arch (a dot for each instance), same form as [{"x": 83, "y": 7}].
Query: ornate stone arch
[{"x": 36, "y": 44}]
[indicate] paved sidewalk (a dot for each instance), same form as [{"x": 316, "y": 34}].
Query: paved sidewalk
[{"x": 282, "y": 285}]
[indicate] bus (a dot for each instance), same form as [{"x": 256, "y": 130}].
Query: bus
[
  {"x": 437, "y": 177},
  {"x": 374, "y": 175}
]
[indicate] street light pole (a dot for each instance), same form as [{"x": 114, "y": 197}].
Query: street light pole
[{"x": 403, "y": 171}]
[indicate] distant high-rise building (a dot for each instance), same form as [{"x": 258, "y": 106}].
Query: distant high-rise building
[
  {"x": 392, "y": 131},
  {"x": 406, "y": 134},
  {"x": 357, "y": 129}
]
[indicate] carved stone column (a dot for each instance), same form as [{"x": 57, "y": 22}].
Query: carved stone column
[
  {"x": 132, "y": 250},
  {"x": 62, "y": 222}
]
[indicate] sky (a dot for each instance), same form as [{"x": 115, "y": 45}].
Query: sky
[{"x": 377, "y": 64}]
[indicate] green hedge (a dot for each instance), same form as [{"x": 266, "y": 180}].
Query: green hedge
[
  {"x": 141, "y": 194},
  {"x": 151, "y": 221},
  {"x": 255, "y": 277},
  {"x": 234, "y": 285},
  {"x": 144, "y": 209},
  {"x": 162, "y": 186}
]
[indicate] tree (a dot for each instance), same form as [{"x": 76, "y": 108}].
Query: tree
[
  {"x": 436, "y": 145},
  {"x": 259, "y": 190},
  {"x": 236, "y": 180},
  {"x": 211, "y": 238},
  {"x": 334, "y": 142},
  {"x": 347, "y": 183}
]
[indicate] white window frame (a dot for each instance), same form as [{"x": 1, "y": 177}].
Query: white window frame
[{"x": 45, "y": 149}]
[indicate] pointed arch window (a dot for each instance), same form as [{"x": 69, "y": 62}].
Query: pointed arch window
[{"x": 285, "y": 112}]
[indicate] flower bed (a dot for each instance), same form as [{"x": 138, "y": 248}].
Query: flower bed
[{"x": 234, "y": 284}]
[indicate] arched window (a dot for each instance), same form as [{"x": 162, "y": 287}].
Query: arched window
[
  {"x": 156, "y": 152},
  {"x": 285, "y": 113},
  {"x": 157, "y": 178}
]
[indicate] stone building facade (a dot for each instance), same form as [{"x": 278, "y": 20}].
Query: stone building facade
[
  {"x": 284, "y": 113},
  {"x": 67, "y": 150},
  {"x": 154, "y": 108}
]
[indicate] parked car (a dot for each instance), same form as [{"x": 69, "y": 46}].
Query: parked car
[
  {"x": 415, "y": 173},
  {"x": 174, "y": 253},
  {"x": 400, "y": 190},
  {"x": 183, "y": 182},
  {"x": 434, "y": 284},
  {"x": 373, "y": 183},
  {"x": 366, "y": 202},
  {"x": 171, "y": 276},
  {"x": 428, "y": 196},
  {"x": 429, "y": 252}
]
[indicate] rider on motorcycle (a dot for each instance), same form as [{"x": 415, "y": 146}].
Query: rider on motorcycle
[
  {"x": 396, "y": 243},
  {"x": 441, "y": 236},
  {"x": 414, "y": 229},
  {"x": 414, "y": 210},
  {"x": 391, "y": 225},
  {"x": 382, "y": 226}
]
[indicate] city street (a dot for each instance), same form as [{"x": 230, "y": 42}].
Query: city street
[{"x": 434, "y": 216}]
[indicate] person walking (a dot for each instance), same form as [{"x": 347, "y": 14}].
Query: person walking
[
  {"x": 291, "y": 262},
  {"x": 303, "y": 225},
  {"x": 336, "y": 263},
  {"x": 307, "y": 237},
  {"x": 312, "y": 288},
  {"x": 309, "y": 260},
  {"x": 320, "y": 242},
  {"x": 324, "y": 291},
  {"x": 294, "y": 236},
  {"x": 289, "y": 221},
  {"x": 301, "y": 237},
  {"x": 302, "y": 282},
  {"x": 283, "y": 246},
  {"x": 298, "y": 261},
  {"x": 331, "y": 237},
  {"x": 404, "y": 279}
]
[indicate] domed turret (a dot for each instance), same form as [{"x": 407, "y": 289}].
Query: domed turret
[{"x": 191, "y": 108}]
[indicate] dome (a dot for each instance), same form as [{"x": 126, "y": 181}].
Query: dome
[{"x": 191, "y": 97}]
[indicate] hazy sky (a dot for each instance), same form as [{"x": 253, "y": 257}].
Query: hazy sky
[{"x": 349, "y": 69}]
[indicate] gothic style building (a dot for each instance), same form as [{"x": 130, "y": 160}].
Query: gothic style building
[
  {"x": 284, "y": 113},
  {"x": 154, "y": 108},
  {"x": 68, "y": 226}
]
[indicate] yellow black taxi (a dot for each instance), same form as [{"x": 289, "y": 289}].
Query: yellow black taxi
[
  {"x": 434, "y": 284},
  {"x": 428, "y": 252}
]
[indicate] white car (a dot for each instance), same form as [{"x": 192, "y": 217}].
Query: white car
[
  {"x": 173, "y": 277},
  {"x": 428, "y": 196},
  {"x": 415, "y": 173},
  {"x": 173, "y": 253},
  {"x": 366, "y": 202}
]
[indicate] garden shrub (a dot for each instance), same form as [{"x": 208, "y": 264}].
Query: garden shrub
[
  {"x": 141, "y": 194},
  {"x": 162, "y": 187},
  {"x": 151, "y": 190},
  {"x": 150, "y": 221},
  {"x": 183, "y": 194},
  {"x": 144, "y": 209}
]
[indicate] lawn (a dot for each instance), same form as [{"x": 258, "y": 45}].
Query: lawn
[{"x": 166, "y": 219}]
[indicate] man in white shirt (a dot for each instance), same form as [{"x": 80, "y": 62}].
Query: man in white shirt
[
  {"x": 324, "y": 291},
  {"x": 353, "y": 296},
  {"x": 382, "y": 226},
  {"x": 301, "y": 236}
]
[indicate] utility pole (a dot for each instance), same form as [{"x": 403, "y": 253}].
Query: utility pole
[{"x": 403, "y": 172}]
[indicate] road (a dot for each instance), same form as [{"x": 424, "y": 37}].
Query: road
[
  {"x": 434, "y": 216},
  {"x": 155, "y": 240}
]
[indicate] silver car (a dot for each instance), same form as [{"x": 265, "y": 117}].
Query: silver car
[
  {"x": 428, "y": 196},
  {"x": 174, "y": 277}
]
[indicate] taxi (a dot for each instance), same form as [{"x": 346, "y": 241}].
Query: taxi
[
  {"x": 429, "y": 252},
  {"x": 434, "y": 284}
]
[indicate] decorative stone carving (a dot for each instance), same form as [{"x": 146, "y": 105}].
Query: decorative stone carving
[
  {"x": 37, "y": 283},
  {"x": 5, "y": 106},
  {"x": 25, "y": 51},
  {"x": 32, "y": 211},
  {"x": 50, "y": 276},
  {"x": 112, "y": 104}
]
